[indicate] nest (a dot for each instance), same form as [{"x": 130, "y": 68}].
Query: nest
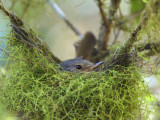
[
  {"x": 34, "y": 88},
  {"x": 38, "y": 90}
]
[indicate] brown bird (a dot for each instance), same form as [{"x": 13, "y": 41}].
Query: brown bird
[{"x": 79, "y": 65}]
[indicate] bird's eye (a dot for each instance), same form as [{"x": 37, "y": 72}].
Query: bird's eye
[{"x": 79, "y": 67}]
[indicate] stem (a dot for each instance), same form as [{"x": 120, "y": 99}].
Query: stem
[
  {"x": 103, "y": 14},
  {"x": 63, "y": 16},
  {"x": 106, "y": 30}
]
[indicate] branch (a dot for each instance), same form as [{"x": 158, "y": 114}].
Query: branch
[
  {"x": 85, "y": 46},
  {"x": 27, "y": 36},
  {"x": 128, "y": 45},
  {"x": 151, "y": 9},
  {"x": 116, "y": 36},
  {"x": 63, "y": 16},
  {"x": 123, "y": 55},
  {"x": 121, "y": 21},
  {"x": 103, "y": 14},
  {"x": 106, "y": 30}
]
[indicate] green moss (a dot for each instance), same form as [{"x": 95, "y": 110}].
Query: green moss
[{"x": 38, "y": 90}]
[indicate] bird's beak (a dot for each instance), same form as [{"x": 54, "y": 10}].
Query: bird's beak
[{"x": 93, "y": 67}]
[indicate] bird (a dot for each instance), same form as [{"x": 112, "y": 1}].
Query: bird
[{"x": 79, "y": 65}]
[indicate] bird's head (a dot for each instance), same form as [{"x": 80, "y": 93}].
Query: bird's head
[{"x": 78, "y": 65}]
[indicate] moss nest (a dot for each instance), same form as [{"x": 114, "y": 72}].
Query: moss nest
[{"x": 34, "y": 88}]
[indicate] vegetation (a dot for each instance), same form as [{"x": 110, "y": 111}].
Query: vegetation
[{"x": 34, "y": 88}]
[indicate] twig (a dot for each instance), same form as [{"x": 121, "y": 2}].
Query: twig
[
  {"x": 4, "y": 52},
  {"x": 25, "y": 35},
  {"x": 125, "y": 19},
  {"x": 5, "y": 28},
  {"x": 3, "y": 9},
  {"x": 102, "y": 12},
  {"x": 13, "y": 19},
  {"x": 116, "y": 36},
  {"x": 105, "y": 31},
  {"x": 123, "y": 55},
  {"x": 120, "y": 12},
  {"x": 133, "y": 37},
  {"x": 63, "y": 16}
]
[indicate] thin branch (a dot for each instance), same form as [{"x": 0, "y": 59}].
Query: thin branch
[
  {"x": 120, "y": 12},
  {"x": 123, "y": 20},
  {"x": 63, "y": 16},
  {"x": 133, "y": 37},
  {"x": 116, "y": 36},
  {"x": 106, "y": 30},
  {"x": 102, "y": 12},
  {"x": 4, "y": 52},
  {"x": 123, "y": 55},
  {"x": 26, "y": 35}
]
